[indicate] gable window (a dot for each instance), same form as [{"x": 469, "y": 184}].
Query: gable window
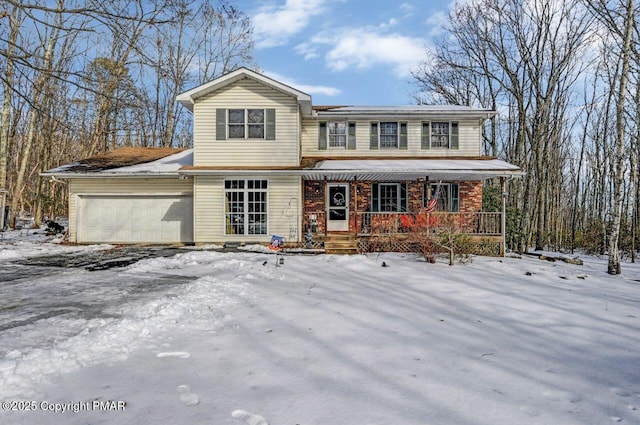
[
  {"x": 245, "y": 124},
  {"x": 388, "y": 135},
  {"x": 448, "y": 197},
  {"x": 245, "y": 207},
  {"x": 389, "y": 197},
  {"x": 440, "y": 135}
]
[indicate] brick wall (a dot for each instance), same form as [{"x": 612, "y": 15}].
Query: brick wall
[
  {"x": 470, "y": 196},
  {"x": 360, "y": 199}
]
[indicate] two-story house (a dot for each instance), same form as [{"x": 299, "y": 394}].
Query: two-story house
[{"x": 266, "y": 162}]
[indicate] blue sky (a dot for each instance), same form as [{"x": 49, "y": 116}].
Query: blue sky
[{"x": 345, "y": 52}]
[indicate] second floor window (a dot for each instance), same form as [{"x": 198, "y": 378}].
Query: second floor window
[
  {"x": 388, "y": 135},
  {"x": 246, "y": 123},
  {"x": 337, "y": 134},
  {"x": 256, "y": 124},
  {"x": 440, "y": 135}
]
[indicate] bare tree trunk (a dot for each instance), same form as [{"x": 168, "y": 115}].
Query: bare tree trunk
[
  {"x": 15, "y": 20},
  {"x": 614, "y": 266},
  {"x": 38, "y": 90}
]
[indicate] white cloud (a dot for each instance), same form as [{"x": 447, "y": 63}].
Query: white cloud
[
  {"x": 407, "y": 8},
  {"x": 274, "y": 25},
  {"x": 364, "y": 48},
  {"x": 307, "y": 50},
  {"x": 306, "y": 88}
]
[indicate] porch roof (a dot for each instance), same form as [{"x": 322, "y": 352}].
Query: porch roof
[
  {"x": 476, "y": 168},
  {"x": 412, "y": 169}
]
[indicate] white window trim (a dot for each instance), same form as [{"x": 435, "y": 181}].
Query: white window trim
[
  {"x": 431, "y": 135},
  {"x": 397, "y": 146},
  {"x": 446, "y": 186},
  {"x": 346, "y": 135},
  {"x": 245, "y": 211},
  {"x": 246, "y": 124}
]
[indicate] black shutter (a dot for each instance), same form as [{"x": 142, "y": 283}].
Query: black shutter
[
  {"x": 270, "y": 124},
  {"x": 426, "y": 136},
  {"x": 221, "y": 124},
  {"x": 322, "y": 135},
  {"x": 403, "y": 135},
  {"x": 375, "y": 204},
  {"x": 373, "y": 142},
  {"x": 454, "y": 135},
  {"x": 351, "y": 136}
]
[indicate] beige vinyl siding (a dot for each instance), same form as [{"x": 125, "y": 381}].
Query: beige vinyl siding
[
  {"x": 115, "y": 186},
  {"x": 246, "y": 94},
  {"x": 284, "y": 209},
  {"x": 469, "y": 140}
]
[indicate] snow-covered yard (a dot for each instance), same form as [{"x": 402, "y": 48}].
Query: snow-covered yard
[{"x": 322, "y": 339}]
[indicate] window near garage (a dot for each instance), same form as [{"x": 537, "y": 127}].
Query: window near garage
[
  {"x": 245, "y": 207},
  {"x": 389, "y": 197}
]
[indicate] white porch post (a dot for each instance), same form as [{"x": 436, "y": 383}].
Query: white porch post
[{"x": 503, "y": 224}]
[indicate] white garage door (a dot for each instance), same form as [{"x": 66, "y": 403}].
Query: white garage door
[{"x": 135, "y": 219}]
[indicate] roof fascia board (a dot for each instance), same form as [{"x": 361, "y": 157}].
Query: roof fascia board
[
  {"x": 188, "y": 98},
  {"x": 400, "y": 114},
  {"x": 96, "y": 175}
]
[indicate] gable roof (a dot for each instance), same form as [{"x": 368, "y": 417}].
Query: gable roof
[
  {"x": 127, "y": 160},
  {"x": 188, "y": 98}
]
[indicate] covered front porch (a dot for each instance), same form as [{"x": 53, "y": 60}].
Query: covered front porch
[
  {"x": 377, "y": 208},
  {"x": 396, "y": 230}
]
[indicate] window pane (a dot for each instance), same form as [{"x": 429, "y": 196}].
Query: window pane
[
  {"x": 388, "y": 135},
  {"x": 234, "y": 213},
  {"x": 337, "y": 141},
  {"x": 440, "y": 135},
  {"x": 389, "y": 197},
  {"x": 236, "y": 131},
  {"x": 246, "y": 209},
  {"x": 236, "y": 116},
  {"x": 443, "y": 203},
  {"x": 256, "y": 116},
  {"x": 337, "y": 134},
  {"x": 256, "y": 131}
]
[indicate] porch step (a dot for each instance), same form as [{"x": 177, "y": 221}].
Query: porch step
[{"x": 340, "y": 244}]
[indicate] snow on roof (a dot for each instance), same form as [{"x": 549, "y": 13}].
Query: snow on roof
[
  {"x": 129, "y": 161},
  {"x": 385, "y": 169},
  {"x": 415, "y": 164},
  {"x": 163, "y": 165}
]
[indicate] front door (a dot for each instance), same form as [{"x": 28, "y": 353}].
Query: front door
[{"x": 337, "y": 207}]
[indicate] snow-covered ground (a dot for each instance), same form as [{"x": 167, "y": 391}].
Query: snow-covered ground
[{"x": 219, "y": 338}]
